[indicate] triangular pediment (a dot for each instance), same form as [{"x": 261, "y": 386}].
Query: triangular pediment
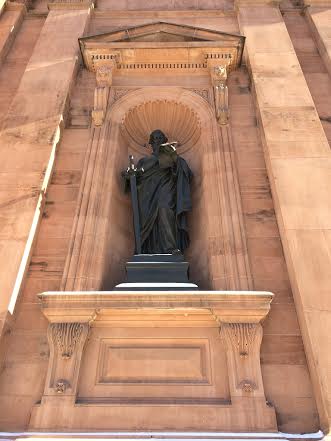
[
  {"x": 162, "y": 36},
  {"x": 152, "y": 31},
  {"x": 157, "y": 44}
]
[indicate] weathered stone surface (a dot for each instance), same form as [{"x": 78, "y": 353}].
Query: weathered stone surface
[
  {"x": 286, "y": 106},
  {"x": 299, "y": 181},
  {"x": 10, "y": 23},
  {"x": 131, "y": 367},
  {"x": 31, "y": 131},
  {"x": 319, "y": 18}
]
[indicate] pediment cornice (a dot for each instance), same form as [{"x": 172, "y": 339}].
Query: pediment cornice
[{"x": 162, "y": 45}]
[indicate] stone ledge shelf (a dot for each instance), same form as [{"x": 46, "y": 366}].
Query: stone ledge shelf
[
  {"x": 154, "y": 361},
  {"x": 87, "y": 306}
]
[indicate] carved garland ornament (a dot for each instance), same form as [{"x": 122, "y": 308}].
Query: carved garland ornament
[{"x": 66, "y": 336}]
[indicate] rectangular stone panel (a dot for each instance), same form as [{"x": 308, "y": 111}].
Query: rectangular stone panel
[{"x": 153, "y": 361}]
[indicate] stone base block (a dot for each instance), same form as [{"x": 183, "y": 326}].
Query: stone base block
[
  {"x": 154, "y": 361},
  {"x": 107, "y": 416},
  {"x": 157, "y": 272}
]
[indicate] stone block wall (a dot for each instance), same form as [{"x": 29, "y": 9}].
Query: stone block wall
[{"x": 287, "y": 382}]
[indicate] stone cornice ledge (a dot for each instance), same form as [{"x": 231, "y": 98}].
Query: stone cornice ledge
[
  {"x": 318, "y": 3},
  {"x": 70, "y": 4},
  {"x": 256, "y": 3},
  {"x": 220, "y": 306}
]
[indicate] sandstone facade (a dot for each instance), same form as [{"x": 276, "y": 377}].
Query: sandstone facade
[{"x": 261, "y": 218}]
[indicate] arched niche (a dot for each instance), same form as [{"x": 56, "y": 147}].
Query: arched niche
[{"x": 102, "y": 237}]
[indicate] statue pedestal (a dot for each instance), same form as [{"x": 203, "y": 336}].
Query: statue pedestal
[
  {"x": 157, "y": 272},
  {"x": 154, "y": 361}
]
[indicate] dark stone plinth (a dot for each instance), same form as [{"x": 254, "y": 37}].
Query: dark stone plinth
[{"x": 158, "y": 272}]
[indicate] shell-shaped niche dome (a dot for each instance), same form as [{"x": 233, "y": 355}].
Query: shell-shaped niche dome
[{"x": 176, "y": 120}]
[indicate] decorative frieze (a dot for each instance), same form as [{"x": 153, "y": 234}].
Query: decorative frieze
[{"x": 214, "y": 47}]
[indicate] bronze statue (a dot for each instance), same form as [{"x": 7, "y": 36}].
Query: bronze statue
[{"x": 160, "y": 188}]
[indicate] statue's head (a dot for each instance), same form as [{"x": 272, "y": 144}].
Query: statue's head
[{"x": 156, "y": 138}]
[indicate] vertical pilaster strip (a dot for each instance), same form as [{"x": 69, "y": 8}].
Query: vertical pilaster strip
[
  {"x": 298, "y": 159},
  {"x": 10, "y": 22},
  {"x": 2, "y": 6},
  {"x": 28, "y": 142},
  {"x": 318, "y": 13}
]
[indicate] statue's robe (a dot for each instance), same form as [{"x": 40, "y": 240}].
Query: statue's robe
[{"x": 164, "y": 200}]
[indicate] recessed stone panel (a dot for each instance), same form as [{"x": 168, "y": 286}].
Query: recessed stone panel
[{"x": 153, "y": 361}]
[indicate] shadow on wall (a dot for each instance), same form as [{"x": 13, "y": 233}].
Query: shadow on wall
[{"x": 187, "y": 118}]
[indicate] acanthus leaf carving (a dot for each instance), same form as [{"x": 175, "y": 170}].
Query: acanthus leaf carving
[
  {"x": 66, "y": 336},
  {"x": 240, "y": 336}
]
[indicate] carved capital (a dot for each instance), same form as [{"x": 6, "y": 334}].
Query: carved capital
[{"x": 219, "y": 76}]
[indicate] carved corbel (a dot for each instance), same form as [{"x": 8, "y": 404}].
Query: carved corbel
[
  {"x": 66, "y": 341},
  {"x": 242, "y": 342},
  {"x": 221, "y": 96},
  {"x": 104, "y": 75}
]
